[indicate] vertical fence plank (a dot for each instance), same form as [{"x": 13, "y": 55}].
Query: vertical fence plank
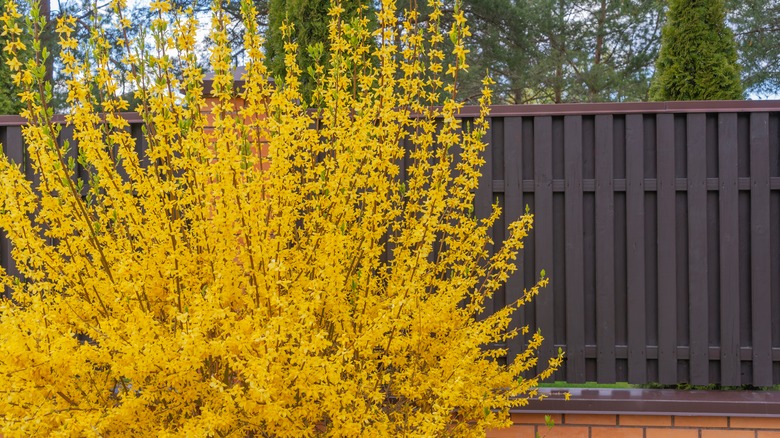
[
  {"x": 13, "y": 147},
  {"x": 138, "y": 132},
  {"x": 13, "y": 144},
  {"x": 635, "y": 251},
  {"x": 402, "y": 162},
  {"x": 667, "y": 263},
  {"x": 760, "y": 250},
  {"x": 66, "y": 136},
  {"x": 543, "y": 232},
  {"x": 513, "y": 202},
  {"x": 498, "y": 153},
  {"x": 605, "y": 251},
  {"x": 729, "y": 250},
  {"x": 697, "y": 249},
  {"x": 483, "y": 201},
  {"x": 574, "y": 257}
]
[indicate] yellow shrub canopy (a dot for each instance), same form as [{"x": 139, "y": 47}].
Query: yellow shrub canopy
[{"x": 239, "y": 284}]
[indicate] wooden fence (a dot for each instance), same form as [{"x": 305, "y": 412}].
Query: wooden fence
[{"x": 658, "y": 224}]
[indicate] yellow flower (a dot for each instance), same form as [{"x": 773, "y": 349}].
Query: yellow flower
[
  {"x": 260, "y": 268},
  {"x": 14, "y": 64}
]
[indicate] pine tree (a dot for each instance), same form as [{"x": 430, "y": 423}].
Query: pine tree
[
  {"x": 758, "y": 44},
  {"x": 556, "y": 51},
  {"x": 698, "y": 57}
]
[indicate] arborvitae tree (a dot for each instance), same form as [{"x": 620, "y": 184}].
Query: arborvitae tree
[
  {"x": 308, "y": 23},
  {"x": 9, "y": 101},
  {"x": 698, "y": 57}
]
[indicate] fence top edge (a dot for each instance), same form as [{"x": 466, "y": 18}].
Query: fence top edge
[
  {"x": 581, "y": 109},
  {"x": 718, "y": 106},
  {"x": 12, "y": 120}
]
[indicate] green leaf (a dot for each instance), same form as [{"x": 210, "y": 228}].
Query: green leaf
[{"x": 454, "y": 37}]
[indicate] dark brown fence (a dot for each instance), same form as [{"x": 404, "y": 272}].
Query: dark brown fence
[
  {"x": 658, "y": 224},
  {"x": 13, "y": 147}
]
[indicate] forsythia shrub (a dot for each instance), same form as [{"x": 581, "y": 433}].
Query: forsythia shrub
[{"x": 221, "y": 291}]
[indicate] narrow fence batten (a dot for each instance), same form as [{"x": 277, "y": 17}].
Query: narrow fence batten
[
  {"x": 635, "y": 245},
  {"x": 483, "y": 201}
]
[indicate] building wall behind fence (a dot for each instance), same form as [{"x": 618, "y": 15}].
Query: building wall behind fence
[{"x": 658, "y": 225}]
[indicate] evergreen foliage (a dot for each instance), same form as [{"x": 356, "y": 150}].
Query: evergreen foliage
[
  {"x": 308, "y": 21},
  {"x": 756, "y": 29},
  {"x": 555, "y": 51},
  {"x": 698, "y": 56},
  {"x": 9, "y": 99}
]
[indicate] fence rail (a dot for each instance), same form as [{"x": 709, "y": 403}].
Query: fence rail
[{"x": 658, "y": 225}]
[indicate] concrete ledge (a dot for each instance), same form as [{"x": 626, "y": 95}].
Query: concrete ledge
[{"x": 656, "y": 402}]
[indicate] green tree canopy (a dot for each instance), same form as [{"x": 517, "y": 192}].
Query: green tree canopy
[
  {"x": 9, "y": 101},
  {"x": 554, "y": 51},
  {"x": 309, "y": 20},
  {"x": 756, "y": 25},
  {"x": 698, "y": 56}
]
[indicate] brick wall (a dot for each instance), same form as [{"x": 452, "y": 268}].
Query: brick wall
[{"x": 639, "y": 426}]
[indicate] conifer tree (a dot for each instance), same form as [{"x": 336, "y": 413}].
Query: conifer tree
[
  {"x": 9, "y": 101},
  {"x": 698, "y": 57},
  {"x": 309, "y": 30}
]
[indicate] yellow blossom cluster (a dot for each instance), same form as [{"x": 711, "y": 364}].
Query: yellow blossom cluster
[{"x": 262, "y": 269}]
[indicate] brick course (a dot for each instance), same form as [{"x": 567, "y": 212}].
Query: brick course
[
  {"x": 645, "y": 420},
  {"x": 722, "y": 422}
]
